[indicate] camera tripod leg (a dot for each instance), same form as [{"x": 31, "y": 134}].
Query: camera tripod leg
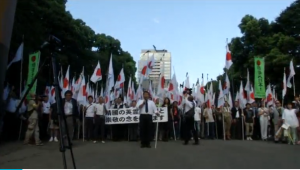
[
  {"x": 69, "y": 140},
  {"x": 61, "y": 117},
  {"x": 61, "y": 142}
]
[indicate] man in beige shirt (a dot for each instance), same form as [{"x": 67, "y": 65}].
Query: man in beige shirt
[
  {"x": 210, "y": 122},
  {"x": 33, "y": 124},
  {"x": 227, "y": 120}
]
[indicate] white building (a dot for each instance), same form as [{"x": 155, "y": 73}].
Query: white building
[{"x": 162, "y": 59}]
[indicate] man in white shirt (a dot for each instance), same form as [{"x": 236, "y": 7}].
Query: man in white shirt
[
  {"x": 197, "y": 119},
  {"x": 89, "y": 112},
  {"x": 45, "y": 118},
  {"x": 100, "y": 120},
  {"x": 189, "y": 123},
  {"x": 147, "y": 109}
]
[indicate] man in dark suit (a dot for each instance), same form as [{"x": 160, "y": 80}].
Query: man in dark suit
[
  {"x": 71, "y": 113},
  {"x": 236, "y": 128}
]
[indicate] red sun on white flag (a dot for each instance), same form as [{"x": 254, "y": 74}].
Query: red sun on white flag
[
  {"x": 202, "y": 91},
  {"x": 228, "y": 56},
  {"x": 66, "y": 83},
  {"x": 98, "y": 73}
]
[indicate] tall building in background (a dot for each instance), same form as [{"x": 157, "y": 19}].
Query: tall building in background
[{"x": 162, "y": 59}]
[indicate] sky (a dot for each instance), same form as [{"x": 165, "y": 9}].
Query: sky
[{"x": 194, "y": 31}]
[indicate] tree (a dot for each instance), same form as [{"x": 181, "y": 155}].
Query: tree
[
  {"x": 37, "y": 19},
  {"x": 278, "y": 42}
]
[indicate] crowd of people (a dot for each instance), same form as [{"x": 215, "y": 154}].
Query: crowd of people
[{"x": 187, "y": 120}]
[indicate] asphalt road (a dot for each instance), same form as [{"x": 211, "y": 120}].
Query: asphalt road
[{"x": 215, "y": 154}]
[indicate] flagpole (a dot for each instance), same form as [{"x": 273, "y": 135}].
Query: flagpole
[
  {"x": 206, "y": 82},
  {"x": 21, "y": 70},
  {"x": 123, "y": 89},
  {"x": 284, "y": 85},
  {"x": 294, "y": 86},
  {"x": 20, "y": 93},
  {"x": 21, "y": 77},
  {"x": 96, "y": 89}
]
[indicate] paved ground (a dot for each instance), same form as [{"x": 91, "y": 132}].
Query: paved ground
[{"x": 209, "y": 154}]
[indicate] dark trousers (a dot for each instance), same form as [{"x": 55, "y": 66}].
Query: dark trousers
[
  {"x": 256, "y": 130},
  {"x": 220, "y": 129},
  {"x": 166, "y": 129},
  {"x": 119, "y": 132},
  {"x": 99, "y": 127},
  {"x": 182, "y": 128},
  {"x": 210, "y": 130},
  {"x": 271, "y": 129},
  {"x": 203, "y": 128},
  {"x": 133, "y": 132},
  {"x": 145, "y": 129},
  {"x": 89, "y": 123},
  {"x": 237, "y": 129},
  {"x": 189, "y": 126},
  {"x": 44, "y": 127}
]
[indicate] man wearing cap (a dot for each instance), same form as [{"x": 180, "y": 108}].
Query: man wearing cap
[
  {"x": 33, "y": 124},
  {"x": 147, "y": 109}
]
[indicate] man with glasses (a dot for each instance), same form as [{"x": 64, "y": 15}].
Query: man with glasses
[{"x": 276, "y": 114}]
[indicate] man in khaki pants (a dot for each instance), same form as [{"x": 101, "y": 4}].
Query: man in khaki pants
[
  {"x": 227, "y": 120},
  {"x": 33, "y": 124},
  {"x": 249, "y": 120}
]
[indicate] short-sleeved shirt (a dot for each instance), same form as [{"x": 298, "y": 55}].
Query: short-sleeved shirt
[
  {"x": 90, "y": 110},
  {"x": 249, "y": 116}
]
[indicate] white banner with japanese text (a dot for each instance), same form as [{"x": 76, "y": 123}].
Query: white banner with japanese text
[{"x": 129, "y": 115}]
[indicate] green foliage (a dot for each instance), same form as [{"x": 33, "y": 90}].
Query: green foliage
[
  {"x": 278, "y": 42},
  {"x": 37, "y": 19}
]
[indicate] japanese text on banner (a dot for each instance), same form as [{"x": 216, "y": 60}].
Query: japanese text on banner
[
  {"x": 259, "y": 78},
  {"x": 129, "y": 115},
  {"x": 34, "y": 61}
]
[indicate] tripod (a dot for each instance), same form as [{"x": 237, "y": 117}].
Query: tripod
[
  {"x": 61, "y": 118},
  {"x": 64, "y": 134}
]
